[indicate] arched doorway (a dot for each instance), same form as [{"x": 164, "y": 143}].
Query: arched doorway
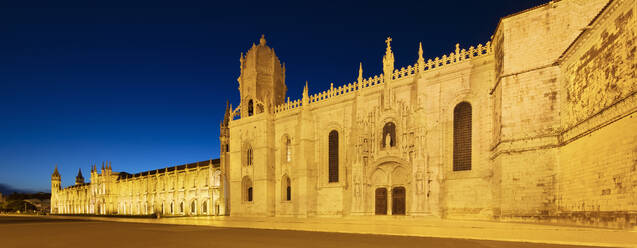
[
  {"x": 381, "y": 201},
  {"x": 398, "y": 201},
  {"x": 389, "y": 184}
]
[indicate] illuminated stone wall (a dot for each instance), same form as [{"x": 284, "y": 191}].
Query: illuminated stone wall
[
  {"x": 526, "y": 100},
  {"x": 597, "y": 174}
]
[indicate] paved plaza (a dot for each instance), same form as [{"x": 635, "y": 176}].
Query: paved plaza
[{"x": 17, "y": 231}]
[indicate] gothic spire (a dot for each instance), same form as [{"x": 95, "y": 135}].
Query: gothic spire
[
  {"x": 388, "y": 61},
  {"x": 226, "y": 115},
  {"x": 55, "y": 172},
  {"x": 360, "y": 73},
  {"x": 306, "y": 97},
  {"x": 421, "y": 60},
  {"x": 79, "y": 174}
]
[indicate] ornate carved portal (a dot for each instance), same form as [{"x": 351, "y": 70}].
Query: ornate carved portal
[{"x": 389, "y": 182}]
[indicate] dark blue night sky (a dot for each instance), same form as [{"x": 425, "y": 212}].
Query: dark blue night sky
[{"x": 144, "y": 85}]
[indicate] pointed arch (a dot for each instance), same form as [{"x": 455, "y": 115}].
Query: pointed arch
[
  {"x": 248, "y": 155},
  {"x": 216, "y": 178},
  {"x": 246, "y": 189},
  {"x": 389, "y": 131},
  {"x": 286, "y": 188}
]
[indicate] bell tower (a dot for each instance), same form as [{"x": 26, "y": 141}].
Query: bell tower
[
  {"x": 262, "y": 80},
  {"x": 56, "y": 181}
]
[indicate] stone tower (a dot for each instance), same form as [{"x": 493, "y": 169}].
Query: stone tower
[
  {"x": 56, "y": 181},
  {"x": 262, "y": 80},
  {"x": 79, "y": 179}
]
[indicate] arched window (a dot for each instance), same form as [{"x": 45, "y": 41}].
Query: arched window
[
  {"x": 333, "y": 156},
  {"x": 249, "y": 156},
  {"x": 172, "y": 208},
  {"x": 389, "y": 132},
  {"x": 193, "y": 207},
  {"x": 286, "y": 188},
  {"x": 181, "y": 207},
  {"x": 462, "y": 137},
  {"x": 288, "y": 150},
  {"x": 204, "y": 207},
  {"x": 247, "y": 189},
  {"x": 216, "y": 179},
  {"x": 288, "y": 191},
  {"x": 250, "y": 108}
]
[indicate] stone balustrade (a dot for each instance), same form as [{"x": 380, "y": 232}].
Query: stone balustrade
[{"x": 459, "y": 55}]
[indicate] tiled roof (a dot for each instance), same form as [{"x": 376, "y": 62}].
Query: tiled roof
[{"x": 215, "y": 164}]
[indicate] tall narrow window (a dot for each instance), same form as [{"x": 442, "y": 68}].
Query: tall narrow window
[
  {"x": 181, "y": 207},
  {"x": 286, "y": 188},
  {"x": 250, "y": 108},
  {"x": 462, "y": 137},
  {"x": 204, "y": 207},
  {"x": 249, "y": 156},
  {"x": 288, "y": 150},
  {"x": 247, "y": 189},
  {"x": 333, "y": 156},
  {"x": 389, "y": 135},
  {"x": 193, "y": 209}
]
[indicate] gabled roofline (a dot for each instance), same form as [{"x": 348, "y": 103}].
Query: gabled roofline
[
  {"x": 519, "y": 13},
  {"x": 586, "y": 31}
]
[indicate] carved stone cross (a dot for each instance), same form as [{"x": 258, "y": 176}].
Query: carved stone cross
[{"x": 388, "y": 41}]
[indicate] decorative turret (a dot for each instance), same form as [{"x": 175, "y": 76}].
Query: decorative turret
[
  {"x": 306, "y": 98},
  {"x": 360, "y": 73},
  {"x": 56, "y": 174},
  {"x": 262, "y": 80},
  {"x": 79, "y": 179},
  {"x": 388, "y": 71},
  {"x": 226, "y": 115},
  {"x": 224, "y": 162},
  {"x": 421, "y": 60},
  {"x": 388, "y": 61}
]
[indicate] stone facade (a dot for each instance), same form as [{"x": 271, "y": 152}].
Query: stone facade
[
  {"x": 190, "y": 189},
  {"x": 538, "y": 124}
]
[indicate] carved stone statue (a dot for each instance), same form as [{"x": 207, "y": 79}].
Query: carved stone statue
[{"x": 387, "y": 141}]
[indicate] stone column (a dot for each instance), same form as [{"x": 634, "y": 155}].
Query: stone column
[{"x": 389, "y": 200}]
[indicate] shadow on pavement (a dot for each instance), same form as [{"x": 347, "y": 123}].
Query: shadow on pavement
[{"x": 22, "y": 220}]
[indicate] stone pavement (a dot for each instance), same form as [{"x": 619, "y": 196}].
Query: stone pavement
[{"x": 410, "y": 226}]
